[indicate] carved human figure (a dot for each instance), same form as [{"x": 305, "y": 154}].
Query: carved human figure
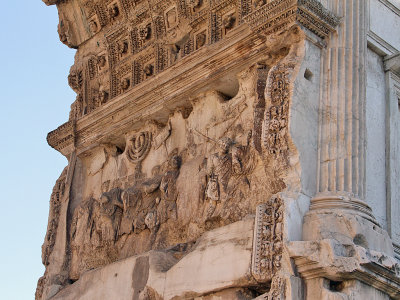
[
  {"x": 168, "y": 181},
  {"x": 131, "y": 199},
  {"x": 241, "y": 157},
  {"x": 168, "y": 188},
  {"x": 147, "y": 215},
  {"x": 151, "y": 220},
  {"x": 219, "y": 169},
  {"x": 82, "y": 237},
  {"x": 75, "y": 80},
  {"x": 81, "y": 222},
  {"x": 108, "y": 215},
  {"x": 140, "y": 203},
  {"x": 212, "y": 190}
]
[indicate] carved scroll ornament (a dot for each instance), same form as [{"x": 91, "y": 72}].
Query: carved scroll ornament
[
  {"x": 268, "y": 240},
  {"x": 275, "y": 136}
]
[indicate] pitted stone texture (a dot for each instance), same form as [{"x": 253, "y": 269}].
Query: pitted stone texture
[{"x": 220, "y": 260}]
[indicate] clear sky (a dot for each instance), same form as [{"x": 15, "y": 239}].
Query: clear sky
[{"x": 35, "y": 99}]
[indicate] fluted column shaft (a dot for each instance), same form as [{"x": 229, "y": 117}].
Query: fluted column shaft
[{"x": 341, "y": 173}]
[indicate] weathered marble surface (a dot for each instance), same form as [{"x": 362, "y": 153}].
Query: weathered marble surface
[
  {"x": 214, "y": 154},
  {"x": 220, "y": 260}
]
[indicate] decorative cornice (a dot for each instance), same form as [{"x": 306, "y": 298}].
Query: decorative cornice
[
  {"x": 315, "y": 17},
  {"x": 279, "y": 14},
  {"x": 170, "y": 85},
  {"x": 63, "y": 138},
  {"x": 392, "y": 63},
  {"x": 323, "y": 259}
]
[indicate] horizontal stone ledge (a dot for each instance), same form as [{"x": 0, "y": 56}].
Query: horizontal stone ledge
[
  {"x": 221, "y": 259},
  {"x": 159, "y": 96},
  {"x": 339, "y": 262}
]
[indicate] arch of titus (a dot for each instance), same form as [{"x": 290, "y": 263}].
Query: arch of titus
[{"x": 228, "y": 149}]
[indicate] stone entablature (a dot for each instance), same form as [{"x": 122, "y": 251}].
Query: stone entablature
[{"x": 134, "y": 63}]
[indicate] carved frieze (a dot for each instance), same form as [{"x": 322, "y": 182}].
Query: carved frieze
[
  {"x": 95, "y": 228},
  {"x": 100, "y": 225},
  {"x": 63, "y": 137},
  {"x": 55, "y": 207},
  {"x": 268, "y": 239},
  {"x": 277, "y": 112}
]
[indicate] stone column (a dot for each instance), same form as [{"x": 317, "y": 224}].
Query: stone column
[
  {"x": 341, "y": 174},
  {"x": 338, "y": 210}
]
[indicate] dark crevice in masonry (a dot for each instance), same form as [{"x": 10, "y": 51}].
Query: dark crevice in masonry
[{"x": 336, "y": 286}]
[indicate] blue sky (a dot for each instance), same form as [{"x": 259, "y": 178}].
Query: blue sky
[{"x": 35, "y": 99}]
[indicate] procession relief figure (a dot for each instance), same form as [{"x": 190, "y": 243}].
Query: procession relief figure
[
  {"x": 227, "y": 171},
  {"x": 131, "y": 198},
  {"x": 151, "y": 199},
  {"x": 232, "y": 160},
  {"x": 149, "y": 193},
  {"x": 168, "y": 188},
  {"x": 219, "y": 168},
  {"x": 242, "y": 158},
  {"x": 140, "y": 203},
  {"x": 108, "y": 214},
  {"x": 82, "y": 222},
  {"x": 82, "y": 239}
]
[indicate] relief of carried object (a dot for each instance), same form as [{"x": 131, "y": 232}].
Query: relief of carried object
[{"x": 138, "y": 146}]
